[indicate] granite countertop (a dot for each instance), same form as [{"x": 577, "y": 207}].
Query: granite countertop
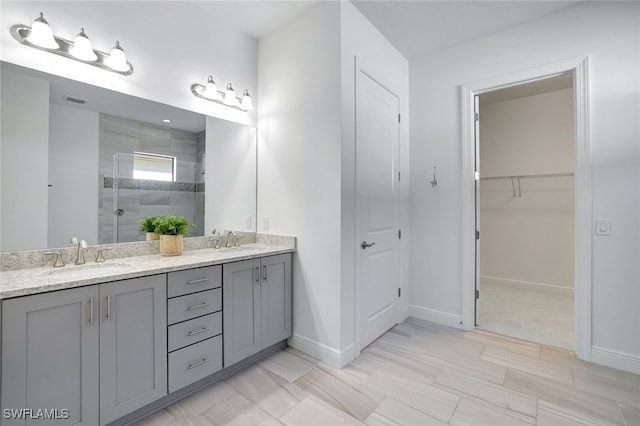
[{"x": 21, "y": 282}]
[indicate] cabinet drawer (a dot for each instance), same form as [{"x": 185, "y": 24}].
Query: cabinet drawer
[
  {"x": 193, "y": 331},
  {"x": 194, "y": 362},
  {"x": 193, "y": 305},
  {"x": 194, "y": 280}
]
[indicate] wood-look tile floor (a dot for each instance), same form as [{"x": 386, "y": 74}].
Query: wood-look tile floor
[{"x": 419, "y": 373}]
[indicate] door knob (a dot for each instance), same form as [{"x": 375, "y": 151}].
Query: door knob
[{"x": 365, "y": 245}]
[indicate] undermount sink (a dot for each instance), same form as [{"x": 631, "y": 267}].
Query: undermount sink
[
  {"x": 236, "y": 248},
  {"x": 90, "y": 267}
]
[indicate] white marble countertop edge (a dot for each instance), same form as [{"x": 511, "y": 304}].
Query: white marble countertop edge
[{"x": 25, "y": 282}]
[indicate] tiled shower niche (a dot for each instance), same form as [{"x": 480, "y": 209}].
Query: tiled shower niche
[{"x": 135, "y": 197}]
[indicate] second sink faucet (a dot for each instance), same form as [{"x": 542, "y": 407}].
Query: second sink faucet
[
  {"x": 81, "y": 245},
  {"x": 229, "y": 235}
]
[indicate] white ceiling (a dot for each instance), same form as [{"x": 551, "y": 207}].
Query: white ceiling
[
  {"x": 415, "y": 27},
  {"x": 420, "y": 27}
]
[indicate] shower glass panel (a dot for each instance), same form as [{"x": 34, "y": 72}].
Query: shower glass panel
[{"x": 148, "y": 186}]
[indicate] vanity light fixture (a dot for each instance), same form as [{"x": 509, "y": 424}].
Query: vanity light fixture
[
  {"x": 210, "y": 92},
  {"x": 40, "y": 36}
]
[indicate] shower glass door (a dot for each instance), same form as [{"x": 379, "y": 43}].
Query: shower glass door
[{"x": 146, "y": 184}]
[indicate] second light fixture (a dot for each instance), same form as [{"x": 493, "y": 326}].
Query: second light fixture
[{"x": 210, "y": 92}]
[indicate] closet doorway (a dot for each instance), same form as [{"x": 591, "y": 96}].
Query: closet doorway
[{"x": 525, "y": 211}]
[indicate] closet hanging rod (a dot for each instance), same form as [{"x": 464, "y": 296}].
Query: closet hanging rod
[{"x": 542, "y": 175}]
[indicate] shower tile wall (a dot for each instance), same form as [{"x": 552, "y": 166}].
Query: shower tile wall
[{"x": 143, "y": 198}]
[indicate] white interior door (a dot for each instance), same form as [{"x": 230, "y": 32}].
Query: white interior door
[{"x": 377, "y": 192}]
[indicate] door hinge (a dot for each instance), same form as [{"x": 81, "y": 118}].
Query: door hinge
[
  {"x": 399, "y": 292},
  {"x": 477, "y": 235},
  {"x": 399, "y": 234},
  {"x": 398, "y": 175},
  {"x": 398, "y": 118},
  {"x": 477, "y": 294},
  {"x": 477, "y": 116}
]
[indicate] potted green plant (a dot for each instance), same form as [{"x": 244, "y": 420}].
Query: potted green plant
[
  {"x": 171, "y": 230},
  {"x": 147, "y": 224}
]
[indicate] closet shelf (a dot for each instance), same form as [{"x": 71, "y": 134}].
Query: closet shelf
[{"x": 515, "y": 180}]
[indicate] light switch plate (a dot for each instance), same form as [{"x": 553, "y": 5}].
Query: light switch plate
[{"x": 603, "y": 227}]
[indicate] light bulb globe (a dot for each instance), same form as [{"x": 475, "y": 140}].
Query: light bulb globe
[
  {"x": 82, "y": 48},
  {"x": 41, "y": 34},
  {"x": 230, "y": 96},
  {"x": 117, "y": 59}
]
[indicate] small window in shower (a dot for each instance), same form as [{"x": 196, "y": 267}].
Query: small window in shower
[{"x": 154, "y": 167}]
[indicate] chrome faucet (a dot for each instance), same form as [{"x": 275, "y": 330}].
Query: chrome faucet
[
  {"x": 81, "y": 245},
  {"x": 216, "y": 238},
  {"x": 229, "y": 235},
  {"x": 58, "y": 263}
]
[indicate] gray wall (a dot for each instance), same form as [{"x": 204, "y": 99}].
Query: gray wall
[{"x": 143, "y": 198}]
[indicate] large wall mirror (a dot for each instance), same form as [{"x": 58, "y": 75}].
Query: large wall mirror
[{"x": 79, "y": 160}]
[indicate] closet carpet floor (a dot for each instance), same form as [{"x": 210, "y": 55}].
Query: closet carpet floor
[
  {"x": 531, "y": 312},
  {"x": 419, "y": 373}
]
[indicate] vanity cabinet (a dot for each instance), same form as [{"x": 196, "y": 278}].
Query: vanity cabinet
[
  {"x": 50, "y": 345},
  {"x": 97, "y": 351},
  {"x": 195, "y": 324},
  {"x": 133, "y": 345},
  {"x": 257, "y": 305},
  {"x": 112, "y": 352}
]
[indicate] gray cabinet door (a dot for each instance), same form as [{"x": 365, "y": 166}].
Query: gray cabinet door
[
  {"x": 50, "y": 356},
  {"x": 241, "y": 310},
  {"x": 133, "y": 345},
  {"x": 276, "y": 299}
]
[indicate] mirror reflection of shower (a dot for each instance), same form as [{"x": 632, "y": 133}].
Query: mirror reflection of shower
[{"x": 147, "y": 184}]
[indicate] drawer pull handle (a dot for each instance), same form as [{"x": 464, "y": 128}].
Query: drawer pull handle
[
  {"x": 202, "y": 305},
  {"x": 201, "y": 280},
  {"x": 197, "y": 364},
  {"x": 193, "y": 333}
]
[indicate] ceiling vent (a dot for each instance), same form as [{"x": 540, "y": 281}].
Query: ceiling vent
[{"x": 74, "y": 100}]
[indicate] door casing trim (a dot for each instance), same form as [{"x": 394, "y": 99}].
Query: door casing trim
[{"x": 583, "y": 199}]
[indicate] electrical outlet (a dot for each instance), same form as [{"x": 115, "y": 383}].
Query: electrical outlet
[
  {"x": 265, "y": 223},
  {"x": 249, "y": 221}
]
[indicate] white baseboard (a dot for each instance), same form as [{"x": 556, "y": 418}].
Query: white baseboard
[
  {"x": 526, "y": 283},
  {"x": 404, "y": 314},
  {"x": 327, "y": 354},
  {"x": 615, "y": 359},
  {"x": 438, "y": 317}
]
